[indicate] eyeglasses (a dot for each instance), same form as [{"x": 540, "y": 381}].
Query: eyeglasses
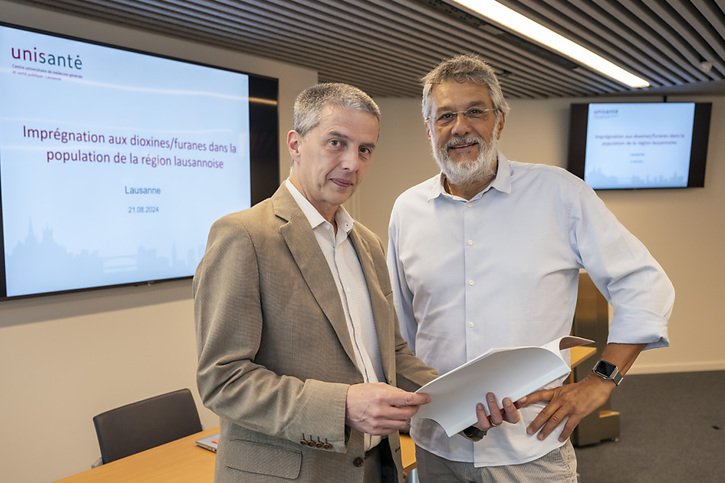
[{"x": 447, "y": 118}]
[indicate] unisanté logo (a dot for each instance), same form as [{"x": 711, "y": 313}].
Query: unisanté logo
[{"x": 41, "y": 57}]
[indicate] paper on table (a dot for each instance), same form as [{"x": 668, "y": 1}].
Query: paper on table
[{"x": 507, "y": 372}]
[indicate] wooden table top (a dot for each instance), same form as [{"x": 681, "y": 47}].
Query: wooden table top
[{"x": 178, "y": 461}]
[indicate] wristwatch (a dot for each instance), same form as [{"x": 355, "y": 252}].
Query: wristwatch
[
  {"x": 607, "y": 371},
  {"x": 473, "y": 433}
]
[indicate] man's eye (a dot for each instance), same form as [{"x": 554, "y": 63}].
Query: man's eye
[
  {"x": 446, "y": 116},
  {"x": 474, "y": 112}
]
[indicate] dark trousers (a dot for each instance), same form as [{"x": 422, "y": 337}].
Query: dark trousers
[{"x": 379, "y": 464}]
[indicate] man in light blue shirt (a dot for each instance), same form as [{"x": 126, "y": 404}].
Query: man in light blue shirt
[{"x": 487, "y": 254}]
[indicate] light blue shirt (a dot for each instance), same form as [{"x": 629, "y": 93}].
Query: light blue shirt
[{"x": 501, "y": 270}]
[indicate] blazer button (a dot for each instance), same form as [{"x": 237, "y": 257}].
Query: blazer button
[
  {"x": 319, "y": 444},
  {"x": 358, "y": 462},
  {"x": 326, "y": 446}
]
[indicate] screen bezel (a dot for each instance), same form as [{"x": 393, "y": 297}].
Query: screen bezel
[
  {"x": 578, "y": 123},
  {"x": 263, "y": 146}
]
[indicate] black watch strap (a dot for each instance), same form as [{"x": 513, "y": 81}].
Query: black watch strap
[{"x": 473, "y": 433}]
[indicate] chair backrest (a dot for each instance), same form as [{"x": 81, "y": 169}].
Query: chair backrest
[{"x": 144, "y": 424}]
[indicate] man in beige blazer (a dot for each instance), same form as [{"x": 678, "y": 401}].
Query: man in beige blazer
[{"x": 299, "y": 349}]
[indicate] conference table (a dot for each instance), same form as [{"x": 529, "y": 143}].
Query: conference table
[{"x": 182, "y": 461}]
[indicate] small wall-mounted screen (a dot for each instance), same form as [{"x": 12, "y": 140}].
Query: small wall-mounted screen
[{"x": 639, "y": 145}]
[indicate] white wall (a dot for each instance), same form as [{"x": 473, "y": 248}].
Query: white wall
[
  {"x": 65, "y": 358},
  {"x": 684, "y": 229}
]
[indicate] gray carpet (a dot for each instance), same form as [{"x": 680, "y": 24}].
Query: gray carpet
[{"x": 672, "y": 430}]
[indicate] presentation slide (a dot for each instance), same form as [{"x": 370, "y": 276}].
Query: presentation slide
[
  {"x": 644, "y": 145},
  {"x": 113, "y": 164}
]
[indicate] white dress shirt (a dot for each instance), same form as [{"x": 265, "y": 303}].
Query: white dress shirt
[
  {"x": 350, "y": 280},
  {"x": 501, "y": 270}
]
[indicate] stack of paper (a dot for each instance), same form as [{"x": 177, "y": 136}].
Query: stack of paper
[{"x": 506, "y": 372}]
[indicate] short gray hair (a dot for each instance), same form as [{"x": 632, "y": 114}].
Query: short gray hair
[
  {"x": 463, "y": 68},
  {"x": 311, "y": 102}
]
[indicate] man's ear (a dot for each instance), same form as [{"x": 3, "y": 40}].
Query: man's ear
[
  {"x": 293, "y": 143},
  {"x": 427, "y": 129},
  {"x": 500, "y": 124}
]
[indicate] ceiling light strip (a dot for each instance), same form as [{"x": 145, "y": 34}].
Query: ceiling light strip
[{"x": 512, "y": 20}]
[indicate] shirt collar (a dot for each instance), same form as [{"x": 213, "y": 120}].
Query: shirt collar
[
  {"x": 342, "y": 217},
  {"x": 502, "y": 181}
]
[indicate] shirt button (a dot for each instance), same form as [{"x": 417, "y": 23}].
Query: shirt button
[
  {"x": 471, "y": 324},
  {"x": 471, "y": 282},
  {"x": 468, "y": 205},
  {"x": 469, "y": 243},
  {"x": 358, "y": 462}
]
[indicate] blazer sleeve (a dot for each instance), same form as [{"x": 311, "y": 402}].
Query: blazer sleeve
[
  {"x": 412, "y": 373},
  {"x": 229, "y": 323}
]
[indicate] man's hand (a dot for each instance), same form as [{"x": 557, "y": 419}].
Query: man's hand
[
  {"x": 378, "y": 408},
  {"x": 570, "y": 403},
  {"x": 509, "y": 414}
]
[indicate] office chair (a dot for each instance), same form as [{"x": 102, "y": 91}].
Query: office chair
[{"x": 151, "y": 422}]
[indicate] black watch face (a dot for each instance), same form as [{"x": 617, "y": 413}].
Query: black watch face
[{"x": 605, "y": 368}]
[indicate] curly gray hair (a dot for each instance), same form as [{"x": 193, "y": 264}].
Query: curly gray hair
[{"x": 463, "y": 68}]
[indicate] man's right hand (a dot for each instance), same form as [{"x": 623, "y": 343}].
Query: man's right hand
[{"x": 377, "y": 408}]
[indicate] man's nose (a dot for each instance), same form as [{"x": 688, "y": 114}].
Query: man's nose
[
  {"x": 350, "y": 160},
  {"x": 461, "y": 125}
]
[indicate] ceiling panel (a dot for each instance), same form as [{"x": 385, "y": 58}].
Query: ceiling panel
[{"x": 385, "y": 46}]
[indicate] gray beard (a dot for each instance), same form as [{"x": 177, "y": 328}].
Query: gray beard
[{"x": 469, "y": 171}]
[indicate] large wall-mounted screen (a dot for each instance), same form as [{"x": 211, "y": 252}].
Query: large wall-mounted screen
[{"x": 114, "y": 163}]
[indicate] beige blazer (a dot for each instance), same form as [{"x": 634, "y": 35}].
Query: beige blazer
[{"x": 275, "y": 355}]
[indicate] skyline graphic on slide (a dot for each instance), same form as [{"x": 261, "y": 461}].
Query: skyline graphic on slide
[
  {"x": 596, "y": 177},
  {"x": 48, "y": 266}
]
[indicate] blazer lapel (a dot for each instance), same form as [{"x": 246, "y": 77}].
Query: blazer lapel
[
  {"x": 308, "y": 256},
  {"x": 378, "y": 301}
]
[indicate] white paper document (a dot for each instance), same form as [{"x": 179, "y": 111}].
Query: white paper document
[{"x": 510, "y": 372}]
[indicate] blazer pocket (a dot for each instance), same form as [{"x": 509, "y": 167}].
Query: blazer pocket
[{"x": 262, "y": 459}]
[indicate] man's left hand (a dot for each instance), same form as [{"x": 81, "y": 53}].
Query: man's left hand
[{"x": 569, "y": 403}]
